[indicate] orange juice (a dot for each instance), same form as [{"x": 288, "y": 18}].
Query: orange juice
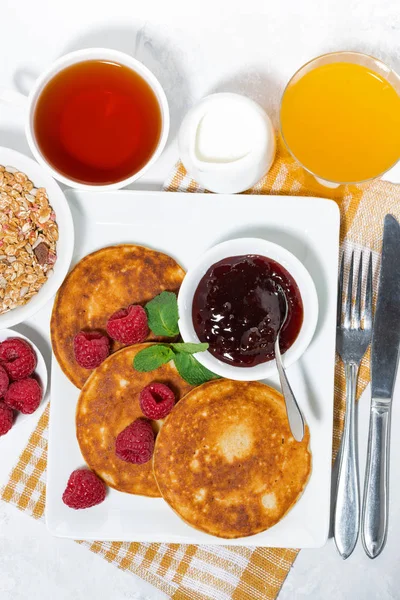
[{"x": 342, "y": 122}]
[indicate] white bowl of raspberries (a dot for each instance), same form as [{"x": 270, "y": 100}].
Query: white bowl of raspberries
[{"x": 23, "y": 378}]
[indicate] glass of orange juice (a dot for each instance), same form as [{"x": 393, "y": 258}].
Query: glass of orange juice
[{"x": 340, "y": 118}]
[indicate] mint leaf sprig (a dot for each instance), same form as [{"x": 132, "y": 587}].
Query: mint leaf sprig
[
  {"x": 162, "y": 315},
  {"x": 153, "y": 357},
  {"x": 187, "y": 366},
  {"x": 191, "y": 370}
]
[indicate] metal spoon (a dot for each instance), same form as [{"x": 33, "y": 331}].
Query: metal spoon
[{"x": 295, "y": 417}]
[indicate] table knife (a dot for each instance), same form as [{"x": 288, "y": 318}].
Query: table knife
[{"x": 384, "y": 358}]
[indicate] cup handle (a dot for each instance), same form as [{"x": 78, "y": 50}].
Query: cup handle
[{"x": 13, "y": 97}]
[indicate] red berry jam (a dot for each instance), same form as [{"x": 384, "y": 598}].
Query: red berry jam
[{"x": 236, "y": 309}]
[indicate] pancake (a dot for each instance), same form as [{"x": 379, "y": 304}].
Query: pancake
[
  {"x": 226, "y": 462},
  {"x": 108, "y": 403},
  {"x": 100, "y": 284}
]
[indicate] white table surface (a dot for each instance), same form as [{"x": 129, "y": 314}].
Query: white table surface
[{"x": 195, "y": 48}]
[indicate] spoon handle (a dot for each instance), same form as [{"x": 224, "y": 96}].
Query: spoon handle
[{"x": 295, "y": 417}]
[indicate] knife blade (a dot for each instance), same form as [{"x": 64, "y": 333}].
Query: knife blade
[
  {"x": 384, "y": 359},
  {"x": 386, "y": 331}
]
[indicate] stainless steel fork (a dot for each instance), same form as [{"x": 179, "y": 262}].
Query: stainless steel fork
[{"x": 353, "y": 337}]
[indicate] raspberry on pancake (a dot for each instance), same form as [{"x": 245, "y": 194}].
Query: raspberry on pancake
[
  {"x": 156, "y": 401},
  {"x": 128, "y": 325},
  {"x": 135, "y": 443},
  {"x": 91, "y": 348}
]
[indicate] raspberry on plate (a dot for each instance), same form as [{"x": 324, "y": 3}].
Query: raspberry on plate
[
  {"x": 91, "y": 348},
  {"x": 24, "y": 395},
  {"x": 129, "y": 325},
  {"x": 18, "y": 358},
  {"x": 135, "y": 443},
  {"x": 156, "y": 401},
  {"x": 84, "y": 489},
  {"x": 6, "y": 418},
  {"x": 4, "y": 381}
]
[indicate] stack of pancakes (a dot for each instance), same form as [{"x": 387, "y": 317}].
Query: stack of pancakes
[{"x": 224, "y": 459}]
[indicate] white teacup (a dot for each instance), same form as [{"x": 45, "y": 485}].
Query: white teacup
[{"x": 70, "y": 59}]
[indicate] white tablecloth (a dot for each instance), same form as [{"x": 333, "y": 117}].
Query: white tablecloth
[{"x": 194, "y": 48}]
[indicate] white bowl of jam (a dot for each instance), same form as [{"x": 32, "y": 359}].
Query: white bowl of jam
[{"x": 230, "y": 300}]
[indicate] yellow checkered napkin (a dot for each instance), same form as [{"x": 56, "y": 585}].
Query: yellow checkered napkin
[{"x": 223, "y": 572}]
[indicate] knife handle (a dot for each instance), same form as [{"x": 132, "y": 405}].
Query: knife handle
[
  {"x": 347, "y": 509},
  {"x": 376, "y": 487}
]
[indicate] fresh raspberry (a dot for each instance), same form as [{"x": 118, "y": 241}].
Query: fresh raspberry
[
  {"x": 6, "y": 418},
  {"x": 4, "y": 381},
  {"x": 24, "y": 395},
  {"x": 84, "y": 489},
  {"x": 135, "y": 444},
  {"x": 128, "y": 325},
  {"x": 156, "y": 401},
  {"x": 91, "y": 348},
  {"x": 18, "y": 358}
]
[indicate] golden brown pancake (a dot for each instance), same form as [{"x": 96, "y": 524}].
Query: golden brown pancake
[
  {"x": 225, "y": 459},
  {"x": 108, "y": 403},
  {"x": 100, "y": 284}
]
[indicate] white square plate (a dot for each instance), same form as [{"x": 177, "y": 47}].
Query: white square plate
[{"x": 184, "y": 225}]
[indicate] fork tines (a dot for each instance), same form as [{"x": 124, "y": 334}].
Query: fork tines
[{"x": 353, "y": 317}]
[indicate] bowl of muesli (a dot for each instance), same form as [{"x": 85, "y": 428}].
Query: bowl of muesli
[{"x": 36, "y": 237}]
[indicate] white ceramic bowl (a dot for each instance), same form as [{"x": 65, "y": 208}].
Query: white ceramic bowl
[
  {"x": 65, "y": 244},
  {"x": 235, "y": 174},
  {"x": 239, "y": 247},
  {"x": 41, "y": 369}
]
